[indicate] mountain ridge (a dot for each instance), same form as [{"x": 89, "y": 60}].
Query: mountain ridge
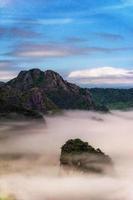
[{"x": 43, "y": 92}]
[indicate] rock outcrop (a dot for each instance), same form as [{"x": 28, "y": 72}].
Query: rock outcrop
[{"x": 76, "y": 154}]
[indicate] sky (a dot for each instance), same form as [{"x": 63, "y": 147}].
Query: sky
[{"x": 87, "y": 42}]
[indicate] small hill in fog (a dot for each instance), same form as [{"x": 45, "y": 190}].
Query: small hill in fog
[{"x": 76, "y": 154}]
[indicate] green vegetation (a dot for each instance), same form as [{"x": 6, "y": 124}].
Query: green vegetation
[
  {"x": 80, "y": 155},
  {"x": 8, "y": 197},
  {"x": 68, "y": 100},
  {"x": 117, "y": 99}
]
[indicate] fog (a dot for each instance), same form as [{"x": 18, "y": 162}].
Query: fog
[{"x": 29, "y": 157}]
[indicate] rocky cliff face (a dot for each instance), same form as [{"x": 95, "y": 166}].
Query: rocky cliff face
[
  {"x": 43, "y": 92},
  {"x": 36, "y": 99}
]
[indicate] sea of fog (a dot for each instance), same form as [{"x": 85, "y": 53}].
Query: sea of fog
[{"x": 29, "y": 157}]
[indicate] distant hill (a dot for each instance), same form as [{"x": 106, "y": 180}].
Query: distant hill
[
  {"x": 1, "y": 83},
  {"x": 34, "y": 91},
  {"x": 121, "y": 99}
]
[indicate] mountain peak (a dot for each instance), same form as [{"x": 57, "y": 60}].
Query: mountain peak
[
  {"x": 51, "y": 72},
  {"x": 27, "y": 79},
  {"x": 37, "y": 78},
  {"x": 54, "y": 80},
  {"x": 40, "y": 91},
  {"x": 32, "y": 72}
]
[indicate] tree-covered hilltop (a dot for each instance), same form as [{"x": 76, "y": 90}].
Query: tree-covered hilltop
[
  {"x": 121, "y": 99},
  {"x": 77, "y": 154}
]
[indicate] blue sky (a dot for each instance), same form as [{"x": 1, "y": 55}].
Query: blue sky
[{"x": 88, "y": 42}]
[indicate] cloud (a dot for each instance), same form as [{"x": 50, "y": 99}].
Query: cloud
[
  {"x": 52, "y": 21},
  {"x": 113, "y": 6},
  {"x": 30, "y": 154},
  {"x": 4, "y": 3},
  {"x": 103, "y": 75},
  {"x": 58, "y": 49},
  {"x": 14, "y": 32},
  {"x": 49, "y": 21},
  {"x": 122, "y": 5},
  {"x": 7, "y": 70},
  {"x": 109, "y": 36},
  {"x": 75, "y": 39},
  {"x": 6, "y": 75},
  {"x": 47, "y": 50},
  {"x": 4, "y": 64}
]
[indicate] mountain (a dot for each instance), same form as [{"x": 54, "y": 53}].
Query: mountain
[
  {"x": 1, "y": 83},
  {"x": 35, "y": 91},
  {"x": 121, "y": 99},
  {"x": 65, "y": 95}
]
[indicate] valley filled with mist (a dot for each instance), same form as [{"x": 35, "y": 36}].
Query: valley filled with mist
[
  {"x": 66, "y": 100},
  {"x": 30, "y": 157}
]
